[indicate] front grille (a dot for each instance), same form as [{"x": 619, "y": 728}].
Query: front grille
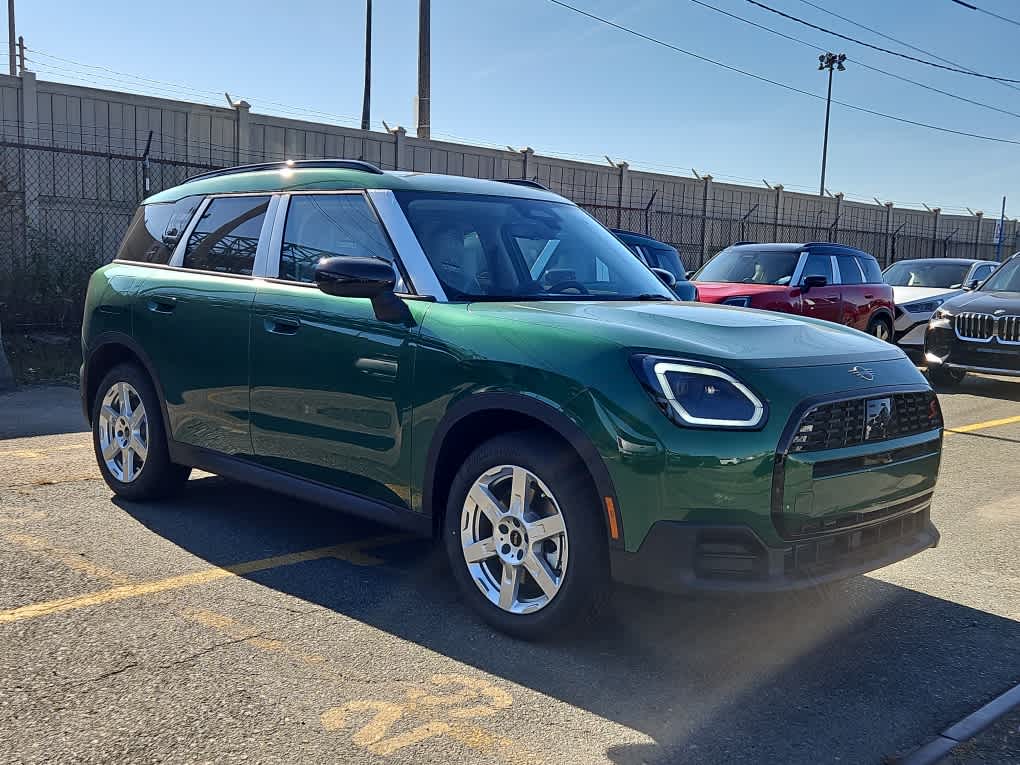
[
  {"x": 838, "y": 424},
  {"x": 815, "y": 556},
  {"x": 982, "y": 327}
]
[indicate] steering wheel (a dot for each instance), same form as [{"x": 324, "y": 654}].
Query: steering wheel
[{"x": 567, "y": 284}]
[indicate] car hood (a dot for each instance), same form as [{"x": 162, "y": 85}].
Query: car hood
[
  {"x": 904, "y": 295},
  {"x": 737, "y": 337},
  {"x": 985, "y": 302}
]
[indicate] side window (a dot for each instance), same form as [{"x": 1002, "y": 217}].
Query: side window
[
  {"x": 871, "y": 269},
  {"x": 982, "y": 272},
  {"x": 849, "y": 270},
  {"x": 153, "y": 232},
  {"x": 326, "y": 225},
  {"x": 227, "y": 235},
  {"x": 817, "y": 265}
]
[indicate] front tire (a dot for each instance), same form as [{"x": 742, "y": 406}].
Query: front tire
[
  {"x": 946, "y": 378},
  {"x": 881, "y": 329},
  {"x": 524, "y": 536},
  {"x": 129, "y": 437}
]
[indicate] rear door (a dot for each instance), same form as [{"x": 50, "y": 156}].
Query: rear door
[
  {"x": 820, "y": 302},
  {"x": 857, "y": 296},
  {"x": 194, "y": 323}
]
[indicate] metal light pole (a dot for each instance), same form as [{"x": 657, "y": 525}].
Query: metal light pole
[
  {"x": 10, "y": 37},
  {"x": 828, "y": 61},
  {"x": 366, "y": 105}
]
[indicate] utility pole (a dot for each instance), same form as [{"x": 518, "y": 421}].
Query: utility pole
[
  {"x": 11, "y": 41},
  {"x": 424, "y": 78},
  {"x": 366, "y": 105},
  {"x": 828, "y": 61},
  {"x": 1000, "y": 233}
]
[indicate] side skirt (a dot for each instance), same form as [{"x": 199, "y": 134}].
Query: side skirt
[{"x": 299, "y": 488}]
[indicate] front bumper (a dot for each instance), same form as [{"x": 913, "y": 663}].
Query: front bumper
[
  {"x": 683, "y": 557},
  {"x": 943, "y": 348}
]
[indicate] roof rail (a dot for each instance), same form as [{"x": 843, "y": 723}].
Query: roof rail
[
  {"x": 340, "y": 164},
  {"x": 524, "y": 182},
  {"x": 742, "y": 241}
]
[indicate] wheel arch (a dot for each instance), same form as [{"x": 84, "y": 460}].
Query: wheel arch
[
  {"x": 104, "y": 353},
  {"x": 479, "y": 417},
  {"x": 883, "y": 313}
]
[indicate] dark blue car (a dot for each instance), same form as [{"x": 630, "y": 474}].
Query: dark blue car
[{"x": 656, "y": 254}]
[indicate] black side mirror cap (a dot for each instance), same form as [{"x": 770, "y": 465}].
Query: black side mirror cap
[
  {"x": 810, "y": 282},
  {"x": 665, "y": 277},
  {"x": 356, "y": 276}
]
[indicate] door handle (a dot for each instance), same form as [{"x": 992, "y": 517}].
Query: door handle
[
  {"x": 163, "y": 304},
  {"x": 278, "y": 325},
  {"x": 869, "y": 297}
]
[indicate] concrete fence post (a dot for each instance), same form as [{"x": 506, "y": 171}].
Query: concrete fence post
[
  {"x": 623, "y": 191},
  {"x": 706, "y": 193},
  {"x": 30, "y": 165},
  {"x": 777, "y": 212},
  {"x": 977, "y": 233},
  {"x": 834, "y": 228},
  {"x": 242, "y": 135},
  {"x": 399, "y": 148},
  {"x": 526, "y": 154},
  {"x": 935, "y": 230},
  {"x": 888, "y": 234}
]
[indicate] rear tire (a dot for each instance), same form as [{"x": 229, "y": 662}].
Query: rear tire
[
  {"x": 946, "y": 378},
  {"x": 880, "y": 328},
  {"x": 129, "y": 437},
  {"x": 494, "y": 542}
]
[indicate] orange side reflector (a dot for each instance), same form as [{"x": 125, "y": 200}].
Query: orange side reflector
[{"x": 614, "y": 527}]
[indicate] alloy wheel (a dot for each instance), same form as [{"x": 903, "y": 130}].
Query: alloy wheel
[
  {"x": 514, "y": 539},
  {"x": 881, "y": 331},
  {"x": 123, "y": 432}
]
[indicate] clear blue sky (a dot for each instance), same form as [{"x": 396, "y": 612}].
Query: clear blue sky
[{"x": 528, "y": 72}]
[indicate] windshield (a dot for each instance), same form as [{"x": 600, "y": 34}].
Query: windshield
[
  {"x": 504, "y": 248},
  {"x": 750, "y": 267},
  {"x": 926, "y": 273},
  {"x": 1006, "y": 279}
]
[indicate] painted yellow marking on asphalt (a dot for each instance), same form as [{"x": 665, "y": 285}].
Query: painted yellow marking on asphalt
[
  {"x": 69, "y": 558},
  {"x": 985, "y": 424},
  {"x": 351, "y": 552},
  {"x": 39, "y": 454},
  {"x": 436, "y": 714},
  {"x": 227, "y": 626}
]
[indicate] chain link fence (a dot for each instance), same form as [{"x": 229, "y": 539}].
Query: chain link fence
[{"x": 64, "y": 209}]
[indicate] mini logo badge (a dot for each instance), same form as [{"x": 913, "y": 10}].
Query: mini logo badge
[{"x": 864, "y": 374}]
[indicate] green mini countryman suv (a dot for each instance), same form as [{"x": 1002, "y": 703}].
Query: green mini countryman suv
[{"x": 484, "y": 362}]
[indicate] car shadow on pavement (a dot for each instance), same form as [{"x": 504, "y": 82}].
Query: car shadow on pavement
[
  {"x": 854, "y": 672},
  {"x": 987, "y": 387}
]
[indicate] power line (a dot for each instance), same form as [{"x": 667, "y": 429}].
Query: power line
[
  {"x": 879, "y": 48},
  {"x": 856, "y": 61},
  {"x": 973, "y": 7},
  {"x": 785, "y": 86}
]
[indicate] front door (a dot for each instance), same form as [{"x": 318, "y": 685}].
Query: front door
[
  {"x": 329, "y": 397},
  {"x": 194, "y": 323},
  {"x": 820, "y": 302}
]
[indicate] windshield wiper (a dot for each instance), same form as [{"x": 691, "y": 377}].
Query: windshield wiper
[{"x": 653, "y": 296}]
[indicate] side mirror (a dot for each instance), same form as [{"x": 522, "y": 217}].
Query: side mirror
[
  {"x": 363, "y": 277},
  {"x": 810, "y": 282},
  {"x": 973, "y": 284},
  {"x": 689, "y": 273},
  {"x": 665, "y": 277}
]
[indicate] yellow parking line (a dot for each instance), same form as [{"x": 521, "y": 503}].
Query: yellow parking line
[
  {"x": 983, "y": 425},
  {"x": 350, "y": 552}
]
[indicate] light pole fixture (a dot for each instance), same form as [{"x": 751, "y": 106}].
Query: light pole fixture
[{"x": 832, "y": 62}]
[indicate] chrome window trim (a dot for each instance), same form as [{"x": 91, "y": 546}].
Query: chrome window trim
[
  {"x": 798, "y": 270},
  {"x": 837, "y": 276},
  {"x": 408, "y": 250},
  {"x": 177, "y": 260},
  {"x": 259, "y": 269},
  {"x": 275, "y": 245}
]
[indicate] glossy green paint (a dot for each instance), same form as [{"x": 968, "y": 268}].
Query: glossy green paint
[
  {"x": 331, "y": 393},
  {"x": 354, "y": 402}
]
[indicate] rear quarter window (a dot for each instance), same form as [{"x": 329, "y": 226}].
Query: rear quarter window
[
  {"x": 871, "y": 269},
  {"x": 155, "y": 229}
]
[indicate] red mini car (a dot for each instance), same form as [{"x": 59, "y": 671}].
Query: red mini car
[{"x": 819, "y": 279}]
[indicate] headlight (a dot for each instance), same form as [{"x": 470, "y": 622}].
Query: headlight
[
  {"x": 926, "y": 307},
  {"x": 743, "y": 301},
  {"x": 940, "y": 317},
  {"x": 700, "y": 395}
]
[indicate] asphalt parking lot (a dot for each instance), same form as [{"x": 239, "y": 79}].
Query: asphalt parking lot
[{"x": 232, "y": 624}]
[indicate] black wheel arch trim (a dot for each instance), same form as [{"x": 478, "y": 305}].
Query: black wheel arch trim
[
  {"x": 120, "y": 338},
  {"x": 523, "y": 404}
]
